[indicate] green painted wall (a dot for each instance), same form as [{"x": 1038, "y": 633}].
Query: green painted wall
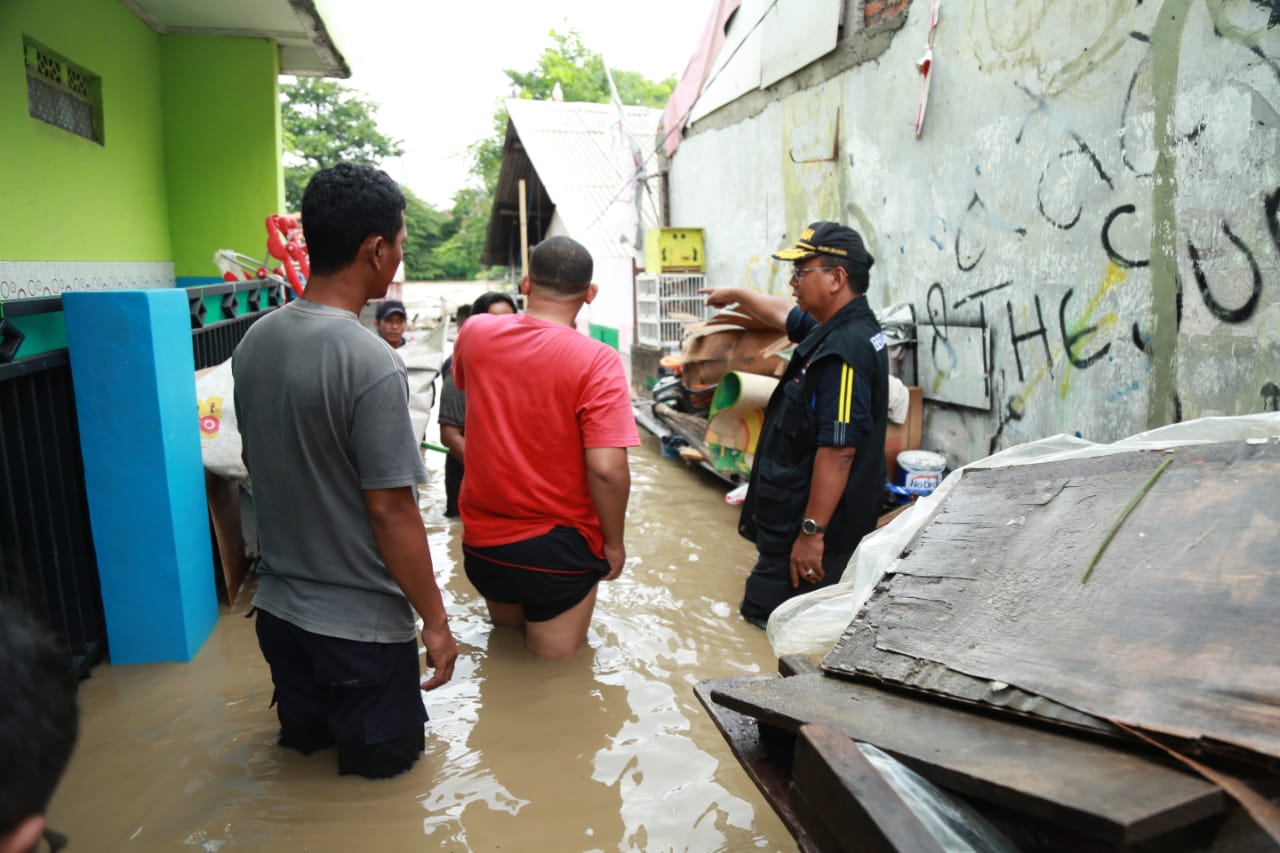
[
  {"x": 63, "y": 197},
  {"x": 222, "y": 146}
]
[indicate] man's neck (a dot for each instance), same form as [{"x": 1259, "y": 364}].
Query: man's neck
[
  {"x": 337, "y": 290},
  {"x": 553, "y": 310},
  {"x": 844, "y": 299}
]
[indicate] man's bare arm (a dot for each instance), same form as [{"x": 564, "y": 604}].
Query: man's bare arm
[
  {"x": 452, "y": 438},
  {"x": 402, "y": 541},
  {"x": 609, "y": 480},
  {"x": 772, "y": 310}
]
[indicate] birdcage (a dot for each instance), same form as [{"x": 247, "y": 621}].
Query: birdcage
[{"x": 665, "y": 304}]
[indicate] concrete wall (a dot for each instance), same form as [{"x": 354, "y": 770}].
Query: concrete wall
[
  {"x": 1088, "y": 229},
  {"x": 222, "y": 147},
  {"x": 67, "y": 198}
]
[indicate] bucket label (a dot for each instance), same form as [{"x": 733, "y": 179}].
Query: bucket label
[{"x": 921, "y": 481}]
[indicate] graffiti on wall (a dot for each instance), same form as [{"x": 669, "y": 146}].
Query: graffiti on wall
[{"x": 1137, "y": 211}]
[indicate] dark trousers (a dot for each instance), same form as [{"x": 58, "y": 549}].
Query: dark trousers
[
  {"x": 769, "y": 583},
  {"x": 363, "y": 698},
  {"x": 452, "y": 485}
]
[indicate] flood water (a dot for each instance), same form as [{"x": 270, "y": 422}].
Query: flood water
[{"x": 607, "y": 751}]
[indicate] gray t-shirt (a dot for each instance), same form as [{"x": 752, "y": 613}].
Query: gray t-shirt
[
  {"x": 323, "y": 413},
  {"x": 453, "y": 404}
]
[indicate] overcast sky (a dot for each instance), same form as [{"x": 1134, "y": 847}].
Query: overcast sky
[{"x": 435, "y": 67}]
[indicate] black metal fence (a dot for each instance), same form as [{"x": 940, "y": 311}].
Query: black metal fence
[
  {"x": 47, "y": 560},
  {"x": 214, "y": 343}
]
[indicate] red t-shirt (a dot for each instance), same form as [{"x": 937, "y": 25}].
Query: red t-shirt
[{"x": 538, "y": 394}]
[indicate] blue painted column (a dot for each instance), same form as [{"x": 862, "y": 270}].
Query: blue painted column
[{"x": 134, "y": 377}]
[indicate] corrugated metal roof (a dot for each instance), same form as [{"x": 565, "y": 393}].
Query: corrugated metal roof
[{"x": 575, "y": 164}]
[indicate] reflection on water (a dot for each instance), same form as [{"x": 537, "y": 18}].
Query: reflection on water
[{"x": 607, "y": 751}]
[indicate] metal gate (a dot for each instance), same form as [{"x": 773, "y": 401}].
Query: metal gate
[{"x": 47, "y": 560}]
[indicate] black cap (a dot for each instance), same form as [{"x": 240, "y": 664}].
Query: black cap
[
  {"x": 828, "y": 238},
  {"x": 390, "y": 306}
]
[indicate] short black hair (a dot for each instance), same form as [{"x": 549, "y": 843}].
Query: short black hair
[
  {"x": 485, "y": 301},
  {"x": 859, "y": 273},
  {"x": 38, "y": 717},
  {"x": 342, "y": 206},
  {"x": 562, "y": 265}
]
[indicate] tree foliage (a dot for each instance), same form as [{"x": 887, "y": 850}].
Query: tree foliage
[{"x": 325, "y": 123}]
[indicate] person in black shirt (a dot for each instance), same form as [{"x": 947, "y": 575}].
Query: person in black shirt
[{"x": 819, "y": 468}]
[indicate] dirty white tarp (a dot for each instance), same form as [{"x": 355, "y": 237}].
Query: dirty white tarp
[
  {"x": 810, "y": 624},
  {"x": 215, "y": 390}
]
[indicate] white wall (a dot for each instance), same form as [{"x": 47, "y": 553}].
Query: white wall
[{"x": 1077, "y": 159}]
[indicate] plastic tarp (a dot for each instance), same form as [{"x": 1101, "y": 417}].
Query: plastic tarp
[{"x": 810, "y": 624}]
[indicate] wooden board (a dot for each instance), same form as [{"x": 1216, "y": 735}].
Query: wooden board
[
  {"x": 836, "y": 790},
  {"x": 1084, "y": 786},
  {"x": 1176, "y": 631},
  {"x": 224, "y": 512},
  {"x": 953, "y": 365},
  {"x": 772, "y": 777}
]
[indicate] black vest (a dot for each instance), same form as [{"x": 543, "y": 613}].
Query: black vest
[{"x": 783, "y": 466}]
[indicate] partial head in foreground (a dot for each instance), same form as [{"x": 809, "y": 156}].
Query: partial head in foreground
[{"x": 38, "y": 726}]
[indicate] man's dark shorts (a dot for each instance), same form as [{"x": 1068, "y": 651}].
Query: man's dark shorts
[
  {"x": 546, "y": 575},
  {"x": 769, "y": 584},
  {"x": 364, "y": 698}
]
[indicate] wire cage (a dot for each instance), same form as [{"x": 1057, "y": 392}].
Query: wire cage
[{"x": 665, "y": 304}]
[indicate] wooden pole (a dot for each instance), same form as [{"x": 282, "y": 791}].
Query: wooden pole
[{"x": 524, "y": 230}]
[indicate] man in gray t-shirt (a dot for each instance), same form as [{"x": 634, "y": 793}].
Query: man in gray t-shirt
[{"x": 323, "y": 413}]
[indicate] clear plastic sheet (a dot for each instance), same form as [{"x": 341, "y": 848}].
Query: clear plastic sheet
[
  {"x": 810, "y": 624},
  {"x": 953, "y": 823}
]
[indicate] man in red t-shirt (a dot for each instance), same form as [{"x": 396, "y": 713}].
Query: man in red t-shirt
[{"x": 549, "y": 422}]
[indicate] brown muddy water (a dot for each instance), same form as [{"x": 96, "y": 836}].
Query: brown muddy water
[{"x": 607, "y": 751}]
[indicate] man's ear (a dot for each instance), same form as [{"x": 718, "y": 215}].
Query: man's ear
[
  {"x": 374, "y": 248},
  {"x": 525, "y": 285},
  {"x": 592, "y": 290},
  {"x": 24, "y": 837}
]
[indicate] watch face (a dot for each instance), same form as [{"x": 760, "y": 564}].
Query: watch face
[{"x": 809, "y": 526}]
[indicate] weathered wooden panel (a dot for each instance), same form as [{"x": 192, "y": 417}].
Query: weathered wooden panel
[
  {"x": 836, "y": 789},
  {"x": 765, "y": 766},
  {"x": 1175, "y": 632},
  {"x": 1084, "y": 786}
]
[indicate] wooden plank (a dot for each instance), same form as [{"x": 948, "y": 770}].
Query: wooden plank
[
  {"x": 762, "y": 764},
  {"x": 1081, "y": 785},
  {"x": 844, "y": 796},
  {"x": 1174, "y": 633},
  {"x": 224, "y": 510}
]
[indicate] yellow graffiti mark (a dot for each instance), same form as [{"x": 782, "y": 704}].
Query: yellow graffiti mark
[
  {"x": 765, "y": 275},
  {"x": 1115, "y": 275}
]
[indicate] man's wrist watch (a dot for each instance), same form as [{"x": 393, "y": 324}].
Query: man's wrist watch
[{"x": 811, "y": 527}]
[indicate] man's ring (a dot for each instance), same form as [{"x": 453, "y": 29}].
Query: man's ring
[{"x": 808, "y": 573}]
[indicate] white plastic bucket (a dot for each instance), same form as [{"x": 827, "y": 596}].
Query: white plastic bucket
[{"x": 921, "y": 470}]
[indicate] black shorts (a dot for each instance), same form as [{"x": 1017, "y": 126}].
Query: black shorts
[
  {"x": 546, "y": 575},
  {"x": 364, "y": 698}
]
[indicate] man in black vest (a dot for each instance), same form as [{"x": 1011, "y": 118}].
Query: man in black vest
[{"x": 819, "y": 470}]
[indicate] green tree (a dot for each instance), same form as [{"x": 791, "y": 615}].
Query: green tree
[
  {"x": 325, "y": 123},
  {"x": 426, "y": 229}
]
